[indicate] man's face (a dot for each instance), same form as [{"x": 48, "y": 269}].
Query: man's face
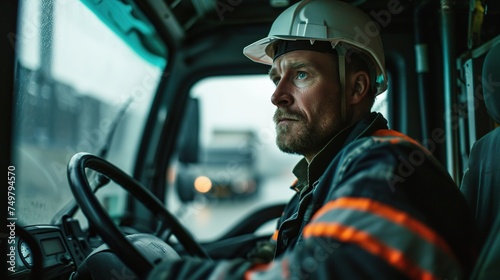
[{"x": 307, "y": 101}]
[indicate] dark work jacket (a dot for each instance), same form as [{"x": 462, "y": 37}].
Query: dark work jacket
[{"x": 373, "y": 204}]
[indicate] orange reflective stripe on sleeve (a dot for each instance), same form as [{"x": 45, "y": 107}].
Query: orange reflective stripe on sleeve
[
  {"x": 387, "y": 233},
  {"x": 389, "y": 213},
  {"x": 370, "y": 244}
]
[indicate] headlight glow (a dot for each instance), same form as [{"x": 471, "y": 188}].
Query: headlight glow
[{"x": 203, "y": 184}]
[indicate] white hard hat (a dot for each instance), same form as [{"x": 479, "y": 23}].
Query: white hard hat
[{"x": 325, "y": 20}]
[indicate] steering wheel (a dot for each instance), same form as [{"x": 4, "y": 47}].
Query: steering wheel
[{"x": 103, "y": 223}]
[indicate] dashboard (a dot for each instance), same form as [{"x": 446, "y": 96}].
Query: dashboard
[{"x": 54, "y": 250}]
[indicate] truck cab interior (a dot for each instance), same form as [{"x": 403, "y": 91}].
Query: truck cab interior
[{"x": 130, "y": 123}]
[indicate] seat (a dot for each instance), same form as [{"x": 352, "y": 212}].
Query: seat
[{"x": 481, "y": 181}]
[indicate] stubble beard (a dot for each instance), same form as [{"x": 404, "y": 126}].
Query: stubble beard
[{"x": 303, "y": 138}]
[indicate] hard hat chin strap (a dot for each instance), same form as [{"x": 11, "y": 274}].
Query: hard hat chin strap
[{"x": 341, "y": 51}]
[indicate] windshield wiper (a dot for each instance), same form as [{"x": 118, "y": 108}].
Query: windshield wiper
[
  {"x": 100, "y": 180},
  {"x": 103, "y": 151}
]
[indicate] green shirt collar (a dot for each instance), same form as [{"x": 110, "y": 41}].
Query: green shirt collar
[{"x": 310, "y": 173}]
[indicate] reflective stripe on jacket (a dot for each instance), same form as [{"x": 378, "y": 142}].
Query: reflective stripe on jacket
[{"x": 383, "y": 208}]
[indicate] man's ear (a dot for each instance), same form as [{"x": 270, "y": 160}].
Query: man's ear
[{"x": 360, "y": 82}]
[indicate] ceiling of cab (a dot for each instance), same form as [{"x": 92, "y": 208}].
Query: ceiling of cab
[
  {"x": 187, "y": 20},
  {"x": 193, "y": 16}
]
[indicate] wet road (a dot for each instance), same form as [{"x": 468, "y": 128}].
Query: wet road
[{"x": 208, "y": 220}]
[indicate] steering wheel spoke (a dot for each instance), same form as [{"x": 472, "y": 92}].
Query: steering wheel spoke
[{"x": 104, "y": 225}]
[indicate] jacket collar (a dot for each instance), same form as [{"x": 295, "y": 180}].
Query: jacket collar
[{"x": 309, "y": 173}]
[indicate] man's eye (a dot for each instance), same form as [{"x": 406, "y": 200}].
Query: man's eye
[
  {"x": 276, "y": 81},
  {"x": 301, "y": 75}
]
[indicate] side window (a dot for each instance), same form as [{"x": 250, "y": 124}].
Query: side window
[
  {"x": 74, "y": 76},
  {"x": 239, "y": 167}
]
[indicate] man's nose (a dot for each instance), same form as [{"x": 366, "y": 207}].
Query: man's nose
[{"x": 282, "y": 95}]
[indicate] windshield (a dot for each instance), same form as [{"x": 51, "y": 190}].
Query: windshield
[{"x": 74, "y": 76}]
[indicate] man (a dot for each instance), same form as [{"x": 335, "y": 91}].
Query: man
[{"x": 370, "y": 202}]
